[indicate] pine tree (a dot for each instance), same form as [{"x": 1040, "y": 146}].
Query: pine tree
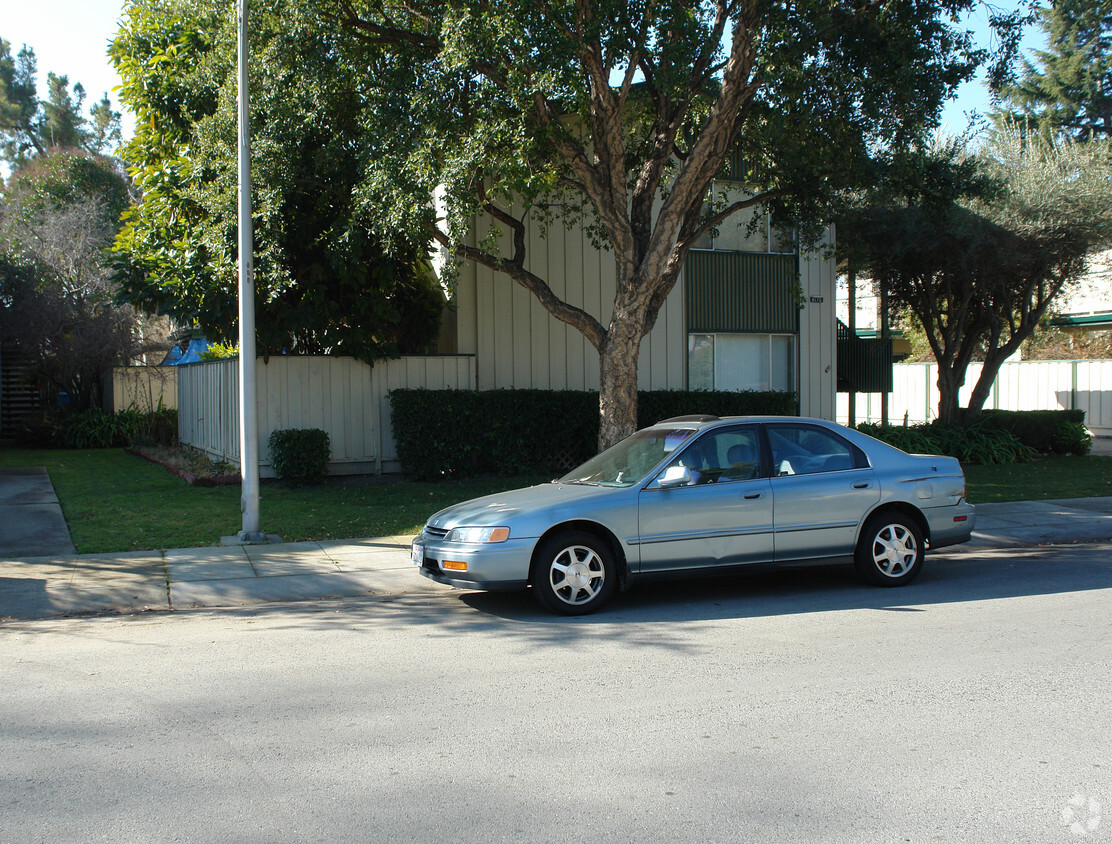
[
  {"x": 1068, "y": 90},
  {"x": 30, "y": 127}
]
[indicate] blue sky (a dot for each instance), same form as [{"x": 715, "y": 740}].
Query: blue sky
[{"x": 70, "y": 37}]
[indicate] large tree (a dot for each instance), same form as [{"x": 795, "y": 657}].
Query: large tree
[
  {"x": 978, "y": 248},
  {"x": 57, "y": 302},
  {"x": 30, "y": 126},
  {"x": 618, "y": 115},
  {"x": 324, "y": 279},
  {"x": 1068, "y": 88}
]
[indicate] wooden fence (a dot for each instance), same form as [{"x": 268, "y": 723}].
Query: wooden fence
[
  {"x": 343, "y": 396},
  {"x": 1020, "y": 385},
  {"x": 143, "y": 387}
]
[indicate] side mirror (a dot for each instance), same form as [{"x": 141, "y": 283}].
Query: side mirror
[{"x": 674, "y": 476}]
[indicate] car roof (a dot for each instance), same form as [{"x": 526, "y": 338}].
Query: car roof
[{"x": 700, "y": 421}]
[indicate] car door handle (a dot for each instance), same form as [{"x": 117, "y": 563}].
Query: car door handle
[
  {"x": 750, "y": 496},
  {"x": 862, "y": 485}
]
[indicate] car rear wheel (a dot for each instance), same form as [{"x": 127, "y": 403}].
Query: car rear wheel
[
  {"x": 573, "y": 573},
  {"x": 890, "y": 552}
]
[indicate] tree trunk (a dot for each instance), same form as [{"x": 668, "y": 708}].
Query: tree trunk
[
  {"x": 949, "y": 385},
  {"x": 617, "y": 400},
  {"x": 982, "y": 388}
]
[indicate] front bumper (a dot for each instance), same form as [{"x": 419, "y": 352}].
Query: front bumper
[{"x": 497, "y": 566}]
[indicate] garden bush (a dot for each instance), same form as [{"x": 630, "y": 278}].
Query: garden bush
[
  {"x": 914, "y": 439},
  {"x": 300, "y": 455},
  {"x": 97, "y": 429},
  {"x": 464, "y": 433},
  {"x": 58, "y": 427},
  {"x": 1046, "y": 431},
  {"x": 978, "y": 443}
]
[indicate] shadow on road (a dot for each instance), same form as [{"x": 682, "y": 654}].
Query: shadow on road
[
  {"x": 946, "y": 578},
  {"x": 636, "y": 616}
]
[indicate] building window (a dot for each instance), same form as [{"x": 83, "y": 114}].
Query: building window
[
  {"x": 741, "y": 362},
  {"x": 748, "y": 230}
]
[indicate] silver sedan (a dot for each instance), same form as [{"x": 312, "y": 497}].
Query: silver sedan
[{"x": 699, "y": 494}]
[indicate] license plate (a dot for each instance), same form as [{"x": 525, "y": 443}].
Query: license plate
[{"x": 417, "y": 554}]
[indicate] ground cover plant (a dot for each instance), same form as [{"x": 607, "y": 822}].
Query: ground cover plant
[{"x": 115, "y": 501}]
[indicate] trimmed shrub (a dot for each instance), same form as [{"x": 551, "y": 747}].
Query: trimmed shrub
[
  {"x": 970, "y": 444},
  {"x": 912, "y": 439},
  {"x": 463, "y": 433},
  {"x": 1046, "y": 431},
  {"x": 300, "y": 455}
]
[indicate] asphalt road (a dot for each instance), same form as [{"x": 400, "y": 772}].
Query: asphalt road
[{"x": 793, "y": 706}]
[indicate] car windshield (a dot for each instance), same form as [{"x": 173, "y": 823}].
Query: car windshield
[{"x": 631, "y": 460}]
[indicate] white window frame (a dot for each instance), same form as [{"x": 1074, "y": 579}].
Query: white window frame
[{"x": 793, "y": 374}]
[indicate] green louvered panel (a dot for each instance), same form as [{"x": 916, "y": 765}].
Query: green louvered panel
[
  {"x": 734, "y": 170},
  {"x": 864, "y": 365},
  {"x": 741, "y": 292}
]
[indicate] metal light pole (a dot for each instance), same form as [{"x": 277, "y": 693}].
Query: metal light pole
[{"x": 248, "y": 409}]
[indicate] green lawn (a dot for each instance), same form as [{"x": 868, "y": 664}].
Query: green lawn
[
  {"x": 115, "y": 501},
  {"x": 1047, "y": 477}
]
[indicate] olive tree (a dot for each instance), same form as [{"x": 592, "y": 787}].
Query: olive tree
[{"x": 617, "y": 115}]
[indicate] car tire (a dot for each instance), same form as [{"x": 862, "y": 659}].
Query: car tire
[
  {"x": 573, "y": 573},
  {"x": 890, "y": 551}
]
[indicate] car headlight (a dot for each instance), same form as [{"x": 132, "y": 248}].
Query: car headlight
[{"x": 478, "y": 535}]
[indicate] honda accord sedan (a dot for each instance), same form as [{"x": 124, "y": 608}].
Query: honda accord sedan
[{"x": 699, "y": 494}]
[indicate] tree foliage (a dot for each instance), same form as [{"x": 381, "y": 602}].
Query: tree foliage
[
  {"x": 1068, "y": 88},
  {"x": 30, "y": 126},
  {"x": 324, "y": 279},
  {"x": 57, "y": 302},
  {"x": 618, "y": 115},
  {"x": 979, "y": 252}
]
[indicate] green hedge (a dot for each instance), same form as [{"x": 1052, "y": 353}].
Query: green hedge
[
  {"x": 1046, "y": 431},
  {"x": 300, "y": 455},
  {"x": 978, "y": 443},
  {"x": 998, "y": 436},
  {"x": 464, "y": 433}
]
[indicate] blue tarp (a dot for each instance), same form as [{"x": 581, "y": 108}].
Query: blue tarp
[
  {"x": 193, "y": 351},
  {"x": 172, "y": 357}
]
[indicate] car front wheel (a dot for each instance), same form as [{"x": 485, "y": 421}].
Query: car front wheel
[
  {"x": 890, "y": 552},
  {"x": 573, "y": 573}
]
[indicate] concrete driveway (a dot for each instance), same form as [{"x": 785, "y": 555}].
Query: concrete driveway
[{"x": 31, "y": 520}]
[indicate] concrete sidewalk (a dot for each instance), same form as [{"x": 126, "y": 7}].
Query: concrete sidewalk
[
  {"x": 79, "y": 584},
  {"x": 76, "y": 584}
]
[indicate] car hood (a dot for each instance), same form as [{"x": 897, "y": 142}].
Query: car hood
[{"x": 503, "y": 507}]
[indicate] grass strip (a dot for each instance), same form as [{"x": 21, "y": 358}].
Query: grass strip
[{"x": 114, "y": 501}]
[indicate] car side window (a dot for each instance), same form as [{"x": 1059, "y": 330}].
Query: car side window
[
  {"x": 722, "y": 456},
  {"x": 805, "y": 450}
]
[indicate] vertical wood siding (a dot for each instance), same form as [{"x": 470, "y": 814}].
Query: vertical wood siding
[
  {"x": 817, "y": 334},
  {"x": 342, "y": 396},
  {"x": 1020, "y": 385},
  {"x": 518, "y": 344}
]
